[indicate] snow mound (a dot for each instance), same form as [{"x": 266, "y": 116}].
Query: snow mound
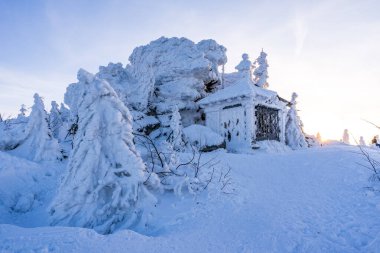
[
  {"x": 12, "y": 132},
  {"x": 273, "y": 147},
  {"x": 203, "y": 138},
  {"x": 22, "y": 185}
]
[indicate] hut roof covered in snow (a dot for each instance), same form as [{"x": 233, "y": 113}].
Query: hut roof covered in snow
[{"x": 241, "y": 88}]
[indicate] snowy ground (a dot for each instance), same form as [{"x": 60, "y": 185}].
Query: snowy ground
[{"x": 312, "y": 200}]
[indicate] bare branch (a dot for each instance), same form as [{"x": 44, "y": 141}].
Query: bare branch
[{"x": 153, "y": 145}]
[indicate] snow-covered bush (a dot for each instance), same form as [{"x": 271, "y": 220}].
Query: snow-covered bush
[
  {"x": 203, "y": 138},
  {"x": 103, "y": 188},
  {"x": 294, "y": 135},
  {"x": 176, "y": 136}
]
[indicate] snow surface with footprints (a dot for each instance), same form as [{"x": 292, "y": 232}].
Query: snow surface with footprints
[{"x": 312, "y": 200}]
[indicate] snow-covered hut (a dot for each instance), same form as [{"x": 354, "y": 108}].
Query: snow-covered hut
[{"x": 243, "y": 113}]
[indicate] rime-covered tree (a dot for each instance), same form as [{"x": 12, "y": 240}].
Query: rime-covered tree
[
  {"x": 104, "y": 187},
  {"x": 319, "y": 138},
  {"x": 23, "y": 110},
  {"x": 64, "y": 112},
  {"x": 295, "y": 137},
  {"x": 38, "y": 143},
  {"x": 346, "y": 137},
  {"x": 245, "y": 67},
  {"x": 67, "y": 123},
  {"x": 261, "y": 72},
  {"x": 362, "y": 141},
  {"x": 55, "y": 120},
  {"x": 21, "y": 117},
  {"x": 176, "y": 128}
]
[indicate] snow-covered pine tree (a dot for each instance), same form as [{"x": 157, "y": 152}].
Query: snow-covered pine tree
[
  {"x": 104, "y": 187},
  {"x": 38, "y": 143},
  {"x": 23, "y": 110},
  {"x": 64, "y": 134},
  {"x": 293, "y": 134},
  {"x": 346, "y": 137},
  {"x": 21, "y": 117},
  {"x": 176, "y": 127},
  {"x": 362, "y": 141},
  {"x": 261, "y": 72},
  {"x": 64, "y": 112},
  {"x": 319, "y": 138},
  {"x": 55, "y": 120}
]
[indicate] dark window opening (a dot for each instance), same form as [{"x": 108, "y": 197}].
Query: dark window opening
[{"x": 267, "y": 123}]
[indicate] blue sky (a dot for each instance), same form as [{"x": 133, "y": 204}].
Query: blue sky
[{"x": 326, "y": 51}]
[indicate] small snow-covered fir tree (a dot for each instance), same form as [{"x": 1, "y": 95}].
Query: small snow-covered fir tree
[
  {"x": 295, "y": 137},
  {"x": 319, "y": 138},
  {"x": 38, "y": 143},
  {"x": 346, "y": 137},
  {"x": 362, "y": 141},
  {"x": 261, "y": 72},
  {"x": 21, "y": 117},
  {"x": 104, "y": 186},
  {"x": 55, "y": 120},
  {"x": 176, "y": 127},
  {"x": 23, "y": 110}
]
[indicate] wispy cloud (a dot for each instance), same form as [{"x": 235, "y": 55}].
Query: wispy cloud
[
  {"x": 18, "y": 88},
  {"x": 300, "y": 32}
]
